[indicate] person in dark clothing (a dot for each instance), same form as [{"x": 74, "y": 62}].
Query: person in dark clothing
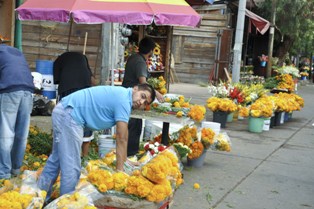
[
  {"x": 72, "y": 72},
  {"x": 136, "y": 72},
  {"x": 16, "y": 104}
]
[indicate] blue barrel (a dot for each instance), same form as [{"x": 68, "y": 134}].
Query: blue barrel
[{"x": 45, "y": 67}]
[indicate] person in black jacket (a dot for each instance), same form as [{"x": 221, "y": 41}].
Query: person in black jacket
[{"x": 71, "y": 71}]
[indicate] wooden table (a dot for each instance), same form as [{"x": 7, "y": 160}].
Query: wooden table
[{"x": 165, "y": 118}]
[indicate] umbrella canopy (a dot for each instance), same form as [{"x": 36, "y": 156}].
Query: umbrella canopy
[{"x": 132, "y": 12}]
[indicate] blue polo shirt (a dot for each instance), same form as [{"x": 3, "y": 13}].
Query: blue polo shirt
[{"x": 100, "y": 107}]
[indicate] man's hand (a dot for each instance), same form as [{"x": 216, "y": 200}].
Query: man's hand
[{"x": 159, "y": 97}]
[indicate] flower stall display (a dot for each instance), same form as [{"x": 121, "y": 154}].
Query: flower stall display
[
  {"x": 289, "y": 69},
  {"x": 155, "y": 62}
]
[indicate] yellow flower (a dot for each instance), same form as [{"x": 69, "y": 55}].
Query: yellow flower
[
  {"x": 196, "y": 186},
  {"x": 179, "y": 114}
]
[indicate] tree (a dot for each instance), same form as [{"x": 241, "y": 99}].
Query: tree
[{"x": 294, "y": 26}]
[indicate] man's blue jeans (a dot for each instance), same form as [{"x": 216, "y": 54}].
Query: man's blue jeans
[
  {"x": 66, "y": 153},
  {"x": 15, "y": 113}
]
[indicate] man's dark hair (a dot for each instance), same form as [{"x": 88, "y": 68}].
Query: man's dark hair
[
  {"x": 149, "y": 88},
  {"x": 146, "y": 45}
]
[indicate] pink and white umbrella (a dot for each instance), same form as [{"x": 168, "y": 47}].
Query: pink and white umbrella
[{"x": 132, "y": 12}]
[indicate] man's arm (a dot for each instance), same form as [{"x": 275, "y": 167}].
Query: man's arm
[{"x": 122, "y": 143}]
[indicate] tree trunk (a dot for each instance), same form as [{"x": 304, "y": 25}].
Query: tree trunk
[{"x": 284, "y": 47}]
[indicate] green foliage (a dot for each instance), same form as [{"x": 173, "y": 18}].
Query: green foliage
[
  {"x": 40, "y": 142},
  {"x": 270, "y": 83},
  {"x": 294, "y": 23}
]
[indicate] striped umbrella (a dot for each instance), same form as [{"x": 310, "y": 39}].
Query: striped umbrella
[{"x": 132, "y": 12}]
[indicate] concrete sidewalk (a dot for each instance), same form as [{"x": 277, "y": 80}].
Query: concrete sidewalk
[{"x": 270, "y": 170}]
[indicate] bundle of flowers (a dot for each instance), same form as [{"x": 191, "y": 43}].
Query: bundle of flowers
[
  {"x": 158, "y": 83},
  {"x": 289, "y": 69},
  {"x": 197, "y": 113},
  {"x": 286, "y": 82},
  {"x": 263, "y": 107},
  {"x": 236, "y": 95},
  {"x": 32, "y": 161},
  {"x": 250, "y": 93},
  {"x": 221, "y": 104},
  {"x": 174, "y": 104},
  {"x": 221, "y": 90},
  {"x": 154, "y": 147},
  {"x": 222, "y": 143},
  {"x": 14, "y": 199},
  {"x": 183, "y": 150},
  {"x": 197, "y": 149},
  {"x": 75, "y": 201},
  {"x": 207, "y": 137},
  {"x": 154, "y": 63},
  {"x": 288, "y": 102}
]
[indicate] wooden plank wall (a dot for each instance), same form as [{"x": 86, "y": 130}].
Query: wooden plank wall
[
  {"x": 194, "y": 48},
  {"x": 47, "y": 40}
]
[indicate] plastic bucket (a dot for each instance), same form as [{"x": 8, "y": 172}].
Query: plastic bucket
[
  {"x": 45, "y": 67},
  {"x": 256, "y": 125},
  {"x": 105, "y": 145},
  {"x": 214, "y": 126},
  {"x": 197, "y": 162},
  {"x": 266, "y": 124},
  {"x": 220, "y": 117},
  {"x": 230, "y": 117}
]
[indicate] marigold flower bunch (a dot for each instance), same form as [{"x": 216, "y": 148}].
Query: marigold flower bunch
[
  {"x": 94, "y": 165},
  {"x": 186, "y": 135},
  {"x": 221, "y": 104},
  {"x": 197, "y": 113},
  {"x": 158, "y": 83},
  {"x": 160, "y": 191},
  {"x": 285, "y": 82},
  {"x": 263, "y": 107},
  {"x": 157, "y": 169},
  {"x": 102, "y": 179},
  {"x": 33, "y": 162},
  {"x": 288, "y": 102},
  {"x": 207, "y": 137},
  {"x": 139, "y": 186},
  {"x": 120, "y": 180},
  {"x": 13, "y": 199},
  {"x": 197, "y": 149}
]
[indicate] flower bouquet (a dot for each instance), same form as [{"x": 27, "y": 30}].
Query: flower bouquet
[
  {"x": 155, "y": 61},
  {"x": 221, "y": 107},
  {"x": 158, "y": 83}
]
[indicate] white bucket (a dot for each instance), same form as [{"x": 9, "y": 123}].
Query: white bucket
[
  {"x": 213, "y": 125},
  {"x": 266, "y": 124},
  {"x": 105, "y": 145}
]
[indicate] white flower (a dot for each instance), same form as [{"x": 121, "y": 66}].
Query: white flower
[
  {"x": 156, "y": 144},
  {"x": 155, "y": 150},
  {"x": 151, "y": 146}
]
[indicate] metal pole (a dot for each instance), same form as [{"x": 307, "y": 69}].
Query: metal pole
[
  {"x": 237, "y": 49},
  {"x": 271, "y": 38}
]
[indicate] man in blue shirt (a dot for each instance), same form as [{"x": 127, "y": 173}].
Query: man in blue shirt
[
  {"x": 97, "y": 108},
  {"x": 16, "y": 104}
]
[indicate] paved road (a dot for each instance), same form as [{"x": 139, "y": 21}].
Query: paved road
[{"x": 270, "y": 170}]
